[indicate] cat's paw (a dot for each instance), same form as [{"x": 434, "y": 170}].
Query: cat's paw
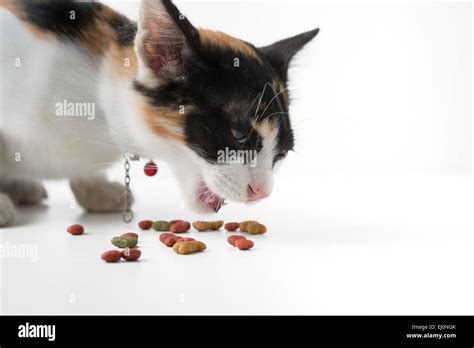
[
  {"x": 23, "y": 192},
  {"x": 99, "y": 195},
  {"x": 7, "y": 210}
]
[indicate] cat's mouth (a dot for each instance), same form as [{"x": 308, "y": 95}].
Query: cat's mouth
[{"x": 208, "y": 199}]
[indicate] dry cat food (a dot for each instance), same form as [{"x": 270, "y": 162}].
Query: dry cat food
[
  {"x": 130, "y": 234},
  {"x": 180, "y": 227},
  {"x": 240, "y": 242},
  {"x": 231, "y": 226},
  {"x": 186, "y": 239},
  {"x": 188, "y": 247},
  {"x": 208, "y": 225},
  {"x": 243, "y": 243},
  {"x": 131, "y": 254},
  {"x": 163, "y": 236},
  {"x": 233, "y": 238},
  {"x": 75, "y": 229},
  {"x": 252, "y": 227},
  {"x": 111, "y": 256},
  {"x": 161, "y": 225},
  {"x": 145, "y": 224},
  {"x": 124, "y": 242},
  {"x": 169, "y": 239}
]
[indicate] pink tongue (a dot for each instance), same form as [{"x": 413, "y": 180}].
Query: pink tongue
[{"x": 215, "y": 202}]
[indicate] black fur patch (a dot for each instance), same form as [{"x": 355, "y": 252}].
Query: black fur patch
[
  {"x": 55, "y": 15},
  {"x": 126, "y": 30},
  {"x": 69, "y": 19}
]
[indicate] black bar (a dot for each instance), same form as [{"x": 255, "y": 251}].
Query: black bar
[{"x": 139, "y": 331}]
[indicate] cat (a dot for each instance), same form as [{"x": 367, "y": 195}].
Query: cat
[{"x": 159, "y": 88}]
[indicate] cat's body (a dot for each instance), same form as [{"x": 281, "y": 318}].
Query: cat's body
[
  {"x": 140, "y": 105},
  {"x": 35, "y": 144}
]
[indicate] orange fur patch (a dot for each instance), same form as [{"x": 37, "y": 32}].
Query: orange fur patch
[
  {"x": 165, "y": 122},
  {"x": 120, "y": 62},
  {"x": 217, "y": 38},
  {"x": 95, "y": 38},
  {"x": 266, "y": 127}
]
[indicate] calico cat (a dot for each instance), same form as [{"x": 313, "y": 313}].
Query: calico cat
[{"x": 159, "y": 88}]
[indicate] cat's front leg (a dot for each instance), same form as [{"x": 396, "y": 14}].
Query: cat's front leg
[
  {"x": 98, "y": 195},
  {"x": 18, "y": 192},
  {"x": 7, "y": 210}
]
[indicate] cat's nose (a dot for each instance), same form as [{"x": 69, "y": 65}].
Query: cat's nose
[{"x": 255, "y": 193}]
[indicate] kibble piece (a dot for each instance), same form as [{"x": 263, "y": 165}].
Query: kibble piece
[
  {"x": 171, "y": 240},
  {"x": 111, "y": 256},
  {"x": 186, "y": 239},
  {"x": 208, "y": 225},
  {"x": 124, "y": 242},
  {"x": 131, "y": 254},
  {"x": 163, "y": 236},
  {"x": 252, "y": 227},
  {"x": 145, "y": 224},
  {"x": 233, "y": 238},
  {"x": 231, "y": 226},
  {"x": 243, "y": 243},
  {"x": 189, "y": 247},
  {"x": 130, "y": 234},
  {"x": 75, "y": 229},
  {"x": 161, "y": 225},
  {"x": 180, "y": 227},
  {"x": 172, "y": 222}
]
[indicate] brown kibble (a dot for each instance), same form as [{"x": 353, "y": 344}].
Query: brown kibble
[
  {"x": 233, "y": 238},
  {"x": 207, "y": 225},
  {"x": 131, "y": 254},
  {"x": 243, "y": 244},
  {"x": 180, "y": 227},
  {"x": 145, "y": 224},
  {"x": 75, "y": 229},
  {"x": 231, "y": 226},
  {"x": 252, "y": 227},
  {"x": 130, "y": 235},
  {"x": 111, "y": 256},
  {"x": 189, "y": 247}
]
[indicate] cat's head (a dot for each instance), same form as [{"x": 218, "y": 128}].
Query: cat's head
[{"x": 221, "y": 102}]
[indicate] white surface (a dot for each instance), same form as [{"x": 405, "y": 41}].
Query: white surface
[
  {"x": 371, "y": 215},
  {"x": 367, "y": 245}
]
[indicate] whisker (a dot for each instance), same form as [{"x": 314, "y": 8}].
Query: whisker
[{"x": 274, "y": 97}]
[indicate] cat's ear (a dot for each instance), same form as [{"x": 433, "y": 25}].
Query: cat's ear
[
  {"x": 281, "y": 52},
  {"x": 163, "y": 33}
]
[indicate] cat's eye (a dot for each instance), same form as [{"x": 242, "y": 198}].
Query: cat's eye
[{"x": 239, "y": 136}]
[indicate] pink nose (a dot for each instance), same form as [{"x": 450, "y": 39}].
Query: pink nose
[{"x": 254, "y": 194}]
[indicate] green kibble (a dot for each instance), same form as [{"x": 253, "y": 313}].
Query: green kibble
[
  {"x": 125, "y": 242},
  {"x": 161, "y": 225}
]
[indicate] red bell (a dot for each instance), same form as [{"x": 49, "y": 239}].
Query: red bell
[{"x": 150, "y": 168}]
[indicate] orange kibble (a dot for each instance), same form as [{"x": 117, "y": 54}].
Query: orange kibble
[{"x": 243, "y": 244}]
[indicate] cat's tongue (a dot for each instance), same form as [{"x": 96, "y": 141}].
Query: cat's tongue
[{"x": 209, "y": 199}]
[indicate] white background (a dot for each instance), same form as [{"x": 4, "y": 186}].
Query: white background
[{"x": 371, "y": 215}]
